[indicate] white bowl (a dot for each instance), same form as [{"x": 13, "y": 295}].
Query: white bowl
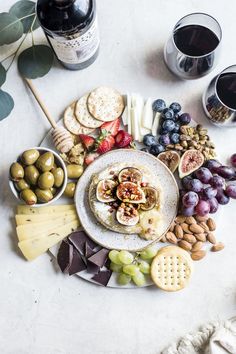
[{"x": 59, "y": 162}]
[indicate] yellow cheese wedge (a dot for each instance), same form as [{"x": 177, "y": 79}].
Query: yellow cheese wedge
[
  {"x": 25, "y": 232},
  {"x": 38, "y": 245},
  {"x": 24, "y": 209},
  {"x": 36, "y": 218}
]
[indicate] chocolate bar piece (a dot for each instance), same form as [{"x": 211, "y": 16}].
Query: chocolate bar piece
[
  {"x": 99, "y": 258},
  {"x": 78, "y": 240},
  {"x": 103, "y": 277},
  {"x": 64, "y": 256},
  {"x": 77, "y": 264}
]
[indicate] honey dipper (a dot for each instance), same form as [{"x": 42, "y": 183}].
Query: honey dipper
[{"x": 61, "y": 137}]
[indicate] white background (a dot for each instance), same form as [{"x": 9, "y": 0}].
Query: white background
[{"x": 45, "y": 312}]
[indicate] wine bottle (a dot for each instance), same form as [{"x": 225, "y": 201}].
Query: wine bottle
[{"x": 71, "y": 29}]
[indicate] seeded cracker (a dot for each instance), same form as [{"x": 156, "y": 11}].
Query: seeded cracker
[
  {"x": 105, "y": 104},
  {"x": 72, "y": 124},
  {"x": 83, "y": 116}
]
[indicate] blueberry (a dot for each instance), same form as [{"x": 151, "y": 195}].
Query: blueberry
[
  {"x": 177, "y": 127},
  {"x": 156, "y": 149},
  {"x": 184, "y": 119},
  {"x": 168, "y": 113},
  {"x": 168, "y": 125},
  {"x": 145, "y": 149},
  {"x": 174, "y": 138},
  {"x": 149, "y": 140},
  {"x": 158, "y": 105},
  {"x": 163, "y": 131},
  {"x": 164, "y": 139},
  {"x": 176, "y": 107}
]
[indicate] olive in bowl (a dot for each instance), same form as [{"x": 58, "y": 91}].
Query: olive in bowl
[{"x": 38, "y": 176}]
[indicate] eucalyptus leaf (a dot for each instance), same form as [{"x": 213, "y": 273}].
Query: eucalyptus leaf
[
  {"x": 3, "y": 74},
  {"x": 35, "y": 61},
  {"x": 6, "y": 104},
  {"x": 11, "y": 28},
  {"x": 24, "y": 8}
]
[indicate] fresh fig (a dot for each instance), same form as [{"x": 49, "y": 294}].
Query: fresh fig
[
  {"x": 127, "y": 214},
  {"x": 151, "y": 196},
  {"x": 106, "y": 191},
  {"x": 190, "y": 161},
  {"x": 130, "y": 174},
  {"x": 170, "y": 158},
  {"x": 130, "y": 192}
]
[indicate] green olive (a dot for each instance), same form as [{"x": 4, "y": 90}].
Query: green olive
[
  {"x": 31, "y": 175},
  {"x": 46, "y": 180},
  {"x": 16, "y": 171},
  {"x": 58, "y": 174},
  {"x": 29, "y": 157},
  {"x": 74, "y": 171},
  {"x": 70, "y": 190},
  {"x": 28, "y": 196},
  {"x": 53, "y": 190},
  {"x": 45, "y": 162},
  {"x": 44, "y": 195},
  {"x": 22, "y": 184},
  {"x": 53, "y": 167}
]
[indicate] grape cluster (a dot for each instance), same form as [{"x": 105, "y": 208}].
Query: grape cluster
[
  {"x": 129, "y": 267},
  {"x": 208, "y": 187}
]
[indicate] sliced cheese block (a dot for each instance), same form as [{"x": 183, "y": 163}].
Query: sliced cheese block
[
  {"x": 38, "y": 245},
  {"x": 156, "y": 123},
  {"x": 25, "y": 232},
  {"x": 37, "y": 218},
  {"x": 147, "y": 118},
  {"x": 24, "y": 209}
]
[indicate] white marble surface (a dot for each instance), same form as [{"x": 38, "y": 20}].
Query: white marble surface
[{"x": 44, "y": 312}]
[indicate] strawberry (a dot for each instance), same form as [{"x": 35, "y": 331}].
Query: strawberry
[
  {"x": 104, "y": 142},
  {"x": 111, "y": 127},
  {"x": 123, "y": 139},
  {"x": 88, "y": 141},
  {"x": 89, "y": 158}
]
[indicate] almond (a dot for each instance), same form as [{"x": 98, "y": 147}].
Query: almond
[
  {"x": 190, "y": 220},
  {"x": 196, "y": 256},
  {"x": 211, "y": 238},
  {"x": 196, "y": 229},
  {"x": 185, "y": 245},
  {"x": 201, "y": 218},
  {"x": 201, "y": 237},
  {"x": 197, "y": 246},
  {"x": 180, "y": 219},
  {"x": 217, "y": 247},
  {"x": 204, "y": 226},
  {"x": 170, "y": 237},
  {"x": 163, "y": 239},
  {"x": 189, "y": 238},
  {"x": 211, "y": 224},
  {"x": 172, "y": 226},
  {"x": 178, "y": 231},
  {"x": 185, "y": 227}
]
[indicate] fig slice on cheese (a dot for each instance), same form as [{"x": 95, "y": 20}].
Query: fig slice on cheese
[
  {"x": 130, "y": 174},
  {"x": 127, "y": 215},
  {"x": 129, "y": 192},
  {"x": 105, "y": 191},
  {"x": 151, "y": 196}
]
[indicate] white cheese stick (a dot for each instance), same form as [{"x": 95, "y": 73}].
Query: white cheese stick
[
  {"x": 147, "y": 118},
  {"x": 156, "y": 123}
]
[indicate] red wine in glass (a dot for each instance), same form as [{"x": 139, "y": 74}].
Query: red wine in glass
[{"x": 226, "y": 89}]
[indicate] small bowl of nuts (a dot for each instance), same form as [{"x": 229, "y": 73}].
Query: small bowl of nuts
[{"x": 38, "y": 176}]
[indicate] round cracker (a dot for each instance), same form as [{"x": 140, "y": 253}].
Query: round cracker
[
  {"x": 171, "y": 269},
  {"x": 105, "y": 103},
  {"x": 72, "y": 124},
  {"x": 83, "y": 116}
]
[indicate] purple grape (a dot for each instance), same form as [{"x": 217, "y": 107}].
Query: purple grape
[
  {"x": 184, "y": 119},
  {"x": 203, "y": 208},
  {"x": 164, "y": 139},
  {"x": 185, "y": 181},
  {"x": 190, "y": 199},
  {"x": 217, "y": 182},
  {"x": 233, "y": 160},
  {"x": 203, "y": 174},
  {"x": 230, "y": 191},
  {"x": 214, "y": 205},
  {"x": 187, "y": 211},
  {"x": 225, "y": 172},
  {"x": 195, "y": 185},
  {"x": 221, "y": 197},
  {"x": 209, "y": 193},
  {"x": 212, "y": 165}
]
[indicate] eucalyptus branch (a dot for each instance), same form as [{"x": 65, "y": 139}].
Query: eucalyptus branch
[
  {"x": 19, "y": 19},
  {"x": 17, "y": 50}
]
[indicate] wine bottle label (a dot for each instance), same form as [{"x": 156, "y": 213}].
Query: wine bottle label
[{"x": 78, "y": 49}]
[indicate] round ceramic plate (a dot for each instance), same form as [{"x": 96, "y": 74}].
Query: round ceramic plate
[{"x": 114, "y": 240}]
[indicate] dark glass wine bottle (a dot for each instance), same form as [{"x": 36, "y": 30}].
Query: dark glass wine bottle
[{"x": 71, "y": 29}]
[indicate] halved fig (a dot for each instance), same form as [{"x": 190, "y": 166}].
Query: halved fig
[
  {"x": 106, "y": 191},
  {"x": 127, "y": 214},
  {"x": 130, "y": 174},
  {"x": 130, "y": 192},
  {"x": 170, "y": 158},
  {"x": 151, "y": 195},
  {"x": 190, "y": 161}
]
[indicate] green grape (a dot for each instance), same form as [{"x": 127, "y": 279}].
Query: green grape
[
  {"x": 126, "y": 257},
  {"x": 144, "y": 267},
  {"x": 115, "y": 267},
  {"x": 148, "y": 253},
  {"x": 131, "y": 269},
  {"x": 139, "y": 279},
  {"x": 114, "y": 257},
  {"x": 123, "y": 279}
]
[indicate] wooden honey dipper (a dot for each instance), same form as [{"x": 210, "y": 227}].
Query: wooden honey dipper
[{"x": 61, "y": 137}]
